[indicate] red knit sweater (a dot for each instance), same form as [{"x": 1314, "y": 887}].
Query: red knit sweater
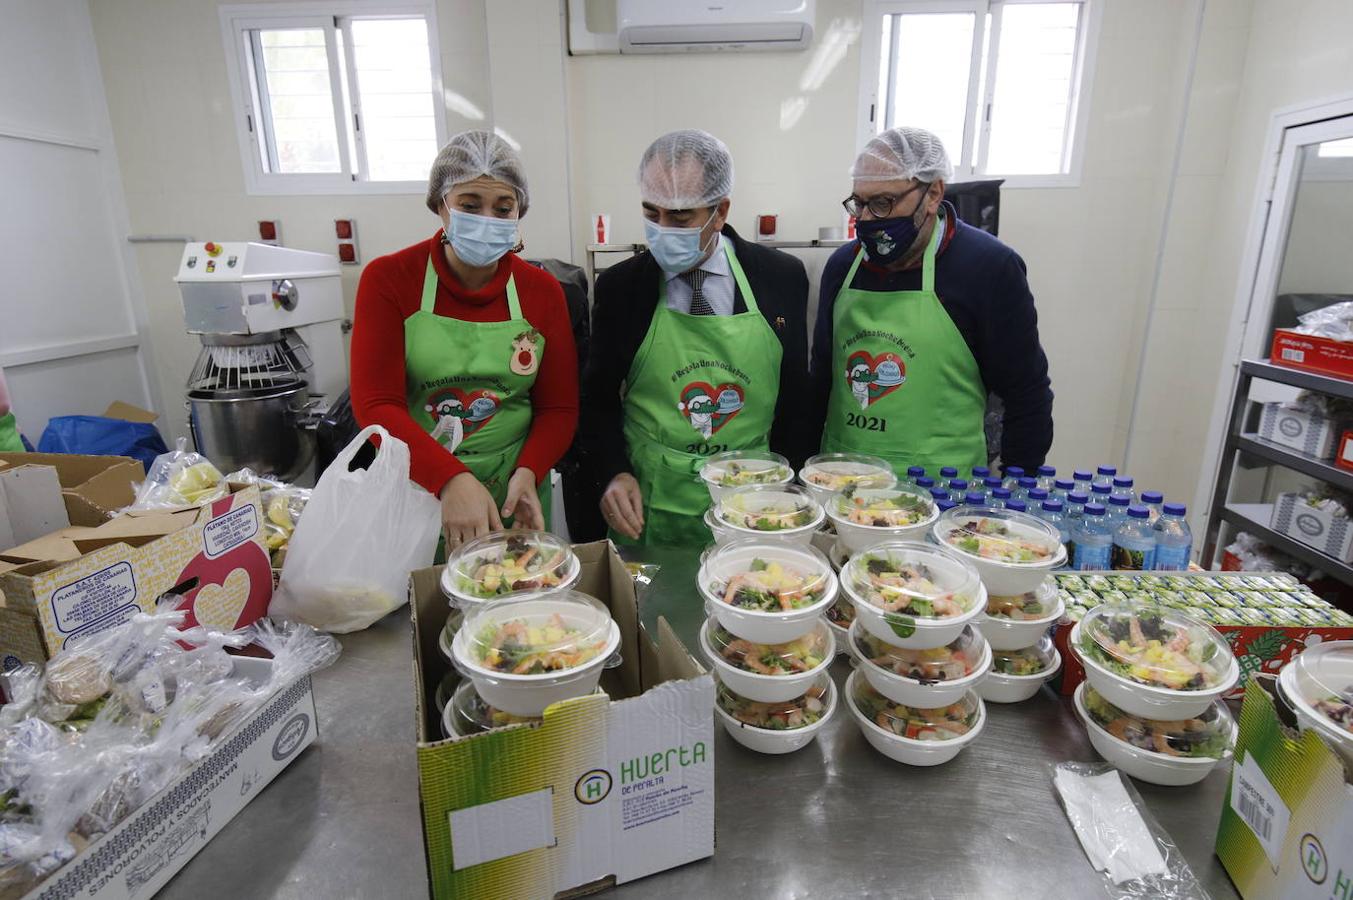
[{"x": 391, "y": 290}]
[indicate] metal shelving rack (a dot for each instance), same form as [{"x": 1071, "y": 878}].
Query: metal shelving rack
[{"x": 1242, "y": 446}]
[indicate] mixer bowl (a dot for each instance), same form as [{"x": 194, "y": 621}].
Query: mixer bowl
[{"x": 262, "y": 428}]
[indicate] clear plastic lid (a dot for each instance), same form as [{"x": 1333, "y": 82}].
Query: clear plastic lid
[
  {"x": 738, "y": 468},
  {"x": 797, "y": 713},
  {"x": 792, "y": 658},
  {"x": 1209, "y": 736},
  {"x": 537, "y": 635},
  {"x": 911, "y": 578},
  {"x": 765, "y": 577},
  {"x": 1028, "y": 661},
  {"x": 838, "y": 471},
  {"x": 1036, "y": 604},
  {"x": 1000, "y": 535},
  {"x": 899, "y": 507},
  {"x": 1155, "y": 646},
  {"x": 471, "y": 715},
  {"x": 510, "y": 562},
  {"x": 1324, "y": 677},
  {"x": 939, "y": 724},
  {"x": 769, "y": 509},
  {"x": 950, "y": 663},
  {"x": 841, "y": 613}
]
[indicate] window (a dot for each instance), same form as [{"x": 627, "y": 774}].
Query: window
[
  {"x": 998, "y": 80},
  {"x": 335, "y": 97}
]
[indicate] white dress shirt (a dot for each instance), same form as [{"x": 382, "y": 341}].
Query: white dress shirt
[{"x": 718, "y": 287}]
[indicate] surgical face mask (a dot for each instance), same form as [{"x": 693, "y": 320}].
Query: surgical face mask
[
  {"x": 677, "y": 249},
  {"x": 888, "y": 240},
  {"x": 480, "y": 241}
]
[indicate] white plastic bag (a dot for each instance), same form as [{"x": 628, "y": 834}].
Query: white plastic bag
[{"x": 349, "y": 559}]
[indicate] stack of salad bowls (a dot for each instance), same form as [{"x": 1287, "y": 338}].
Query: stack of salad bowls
[
  {"x": 1318, "y": 686},
  {"x": 1169, "y": 752},
  {"x": 783, "y": 514},
  {"x": 724, "y": 472},
  {"x": 919, "y": 656},
  {"x": 768, "y": 643},
  {"x": 1014, "y": 554},
  {"x": 507, "y": 564}
]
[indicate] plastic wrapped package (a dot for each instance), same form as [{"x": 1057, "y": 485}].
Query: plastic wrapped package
[
  {"x": 1335, "y": 322},
  {"x": 282, "y": 507},
  {"x": 180, "y": 478}
]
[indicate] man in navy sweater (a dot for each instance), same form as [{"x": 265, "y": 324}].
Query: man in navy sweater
[{"x": 920, "y": 319}]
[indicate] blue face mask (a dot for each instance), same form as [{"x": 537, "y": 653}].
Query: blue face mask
[
  {"x": 676, "y": 249},
  {"x": 888, "y": 240},
  {"x": 480, "y": 241}
]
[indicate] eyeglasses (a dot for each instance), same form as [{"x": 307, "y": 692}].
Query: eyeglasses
[{"x": 881, "y": 206}]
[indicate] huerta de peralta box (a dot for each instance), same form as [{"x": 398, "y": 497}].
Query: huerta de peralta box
[
  {"x": 608, "y": 789},
  {"x": 1286, "y": 829}
]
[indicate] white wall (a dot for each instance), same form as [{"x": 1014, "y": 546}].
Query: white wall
[{"x": 1317, "y": 260}]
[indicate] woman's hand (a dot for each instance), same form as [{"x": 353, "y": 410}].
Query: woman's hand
[
  {"x": 622, "y": 506},
  {"x": 523, "y": 503},
  {"x": 468, "y": 510}
]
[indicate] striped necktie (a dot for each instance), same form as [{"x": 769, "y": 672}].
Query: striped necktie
[{"x": 699, "y": 305}]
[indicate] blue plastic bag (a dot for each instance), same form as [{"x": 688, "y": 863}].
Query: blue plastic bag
[{"x": 100, "y": 436}]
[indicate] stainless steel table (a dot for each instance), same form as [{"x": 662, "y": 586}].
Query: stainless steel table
[{"x": 835, "y": 819}]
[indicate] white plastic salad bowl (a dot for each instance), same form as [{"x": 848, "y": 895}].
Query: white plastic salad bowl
[
  {"x": 911, "y": 751},
  {"x": 780, "y": 740},
  {"x": 722, "y": 570},
  {"x": 920, "y": 691},
  {"x": 765, "y": 688}
]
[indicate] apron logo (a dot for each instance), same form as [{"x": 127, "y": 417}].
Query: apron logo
[
  {"x": 460, "y": 414},
  {"x": 525, "y": 353},
  {"x": 871, "y": 378},
  {"x": 709, "y": 408}
]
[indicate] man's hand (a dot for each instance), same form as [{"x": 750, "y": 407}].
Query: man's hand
[
  {"x": 468, "y": 510},
  {"x": 622, "y": 506},
  {"x": 523, "y": 503}
]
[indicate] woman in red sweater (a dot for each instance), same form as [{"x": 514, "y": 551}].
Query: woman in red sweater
[{"x": 464, "y": 351}]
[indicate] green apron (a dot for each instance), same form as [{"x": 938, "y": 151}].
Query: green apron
[
  {"x": 699, "y": 385},
  {"x": 469, "y": 386},
  {"x": 9, "y": 435},
  {"x": 905, "y": 385}
]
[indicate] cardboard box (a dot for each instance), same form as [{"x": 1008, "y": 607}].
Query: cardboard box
[
  {"x": 93, "y": 487},
  {"x": 605, "y": 791},
  {"x": 1286, "y": 830},
  {"x": 1325, "y": 356},
  {"x": 1319, "y": 529},
  {"x": 141, "y": 854},
  {"x": 1310, "y": 434},
  {"x": 31, "y": 504},
  {"x": 86, "y": 580}
]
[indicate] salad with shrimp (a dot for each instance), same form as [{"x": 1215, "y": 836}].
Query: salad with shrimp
[
  {"x": 942, "y": 724},
  {"x": 994, "y": 539},
  {"x": 1020, "y": 608},
  {"x": 769, "y": 587},
  {"x": 1338, "y": 709},
  {"x": 1018, "y": 662},
  {"x": 791, "y": 658},
  {"x": 926, "y": 666},
  {"x": 876, "y": 511},
  {"x": 841, "y": 475},
  {"x": 1145, "y": 648},
  {"x": 765, "y": 515},
  {"x": 523, "y": 566},
  {"x": 737, "y": 474},
  {"x": 797, "y": 713},
  {"x": 1204, "y": 736},
  {"x": 841, "y": 613},
  {"x": 907, "y": 588},
  {"x": 520, "y": 647}
]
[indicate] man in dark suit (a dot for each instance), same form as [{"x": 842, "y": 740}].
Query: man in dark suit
[{"x": 699, "y": 346}]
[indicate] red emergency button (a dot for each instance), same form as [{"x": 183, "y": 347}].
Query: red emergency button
[{"x": 212, "y": 249}]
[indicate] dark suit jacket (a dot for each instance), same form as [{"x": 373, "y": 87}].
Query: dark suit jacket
[{"x": 627, "y": 295}]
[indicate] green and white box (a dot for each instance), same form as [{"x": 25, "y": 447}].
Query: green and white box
[
  {"x": 608, "y": 789},
  {"x": 1286, "y": 830}
]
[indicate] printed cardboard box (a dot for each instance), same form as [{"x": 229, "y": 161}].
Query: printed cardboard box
[
  {"x": 1312, "y": 353},
  {"x": 1286, "y": 830},
  {"x": 1310, "y": 434},
  {"x": 1316, "y": 528},
  {"x": 93, "y": 487},
  {"x": 606, "y": 790},
  {"x": 140, "y": 855},
  {"x": 214, "y": 557}
]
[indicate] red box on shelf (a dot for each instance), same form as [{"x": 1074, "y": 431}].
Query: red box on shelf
[
  {"x": 1343, "y": 457},
  {"x": 1312, "y": 354}
]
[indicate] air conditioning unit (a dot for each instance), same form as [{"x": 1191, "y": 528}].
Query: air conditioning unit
[{"x": 693, "y": 26}]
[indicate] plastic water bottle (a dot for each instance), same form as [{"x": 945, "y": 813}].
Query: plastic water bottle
[
  {"x": 979, "y": 473},
  {"x": 1061, "y": 489},
  {"x": 939, "y": 494},
  {"x": 1094, "y": 542},
  {"x": 975, "y": 498},
  {"x": 1134, "y": 541},
  {"x": 1000, "y": 497},
  {"x": 1075, "y": 506},
  {"x": 1012, "y": 476},
  {"x": 1026, "y": 484},
  {"x": 1122, "y": 487},
  {"x": 1174, "y": 540},
  {"x": 1153, "y": 500},
  {"x": 915, "y": 472},
  {"x": 1104, "y": 476},
  {"x": 1051, "y": 512},
  {"x": 1083, "y": 481},
  {"x": 1036, "y": 497},
  {"x": 1100, "y": 494},
  {"x": 989, "y": 484},
  {"x": 948, "y": 472},
  {"x": 958, "y": 489},
  {"x": 1017, "y": 505},
  {"x": 925, "y": 483},
  {"x": 1047, "y": 475},
  {"x": 1117, "y": 511}
]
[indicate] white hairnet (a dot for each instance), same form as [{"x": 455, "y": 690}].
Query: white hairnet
[
  {"x": 473, "y": 154},
  {"x": 686, "y": 169},
  {"x": 900, "y": 154}
]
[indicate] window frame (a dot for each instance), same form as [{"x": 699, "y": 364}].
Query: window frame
[
  {"x": 240, "y": 22},
  {"x": 981, "y": 84}
]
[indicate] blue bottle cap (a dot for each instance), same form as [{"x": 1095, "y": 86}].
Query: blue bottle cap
[
  {"x": 1014, "y": 472},
  {"x": 1175, "y": 509},
  {"x": 939, "y": 493},
  {"x": 1101, "y": 489},
  {"x": 1139, "y": 512},
  {"x": 975, "y": 498},
  {"x": 992, "y": 482},
  {"x": 1028, "y": 483},
  {"x": 1094, "y": 509},
  {"x": 944, "y": 505},
  {"x": 1047, "y": 471},
  {"x": 1016, "y": 505},
  {"x": 1078, "y": 497},
  {"x": 1122, "y": 481},
  {"x": 1153, "y": 497},
  {"x": 1052, "y": 506},
  {"x": 1038, "y": 495},
  {"x": 948, "y": 472},
  {"x": 915, "y": 471},
  {"x": 1082, "y": 475},
  {"x": 958, "y": 484},
  {"x": 1064, "y": 485},
  {"x": 980, "y": 472},
  {"x": 926, "y": 483},
  {"x": 1001, "y": 493},
  {"x": 1120, "y": 501},
  {"x": 1108, "y": 470}
]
